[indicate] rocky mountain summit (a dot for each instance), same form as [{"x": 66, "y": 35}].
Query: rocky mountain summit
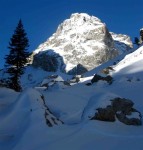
[{"x": 80, "y": 43}]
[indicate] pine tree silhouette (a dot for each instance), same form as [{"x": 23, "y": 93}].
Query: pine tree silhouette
[{"x": 17, "y": 58}]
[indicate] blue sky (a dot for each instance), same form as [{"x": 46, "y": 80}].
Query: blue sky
[{"x": 41, "y": 17}]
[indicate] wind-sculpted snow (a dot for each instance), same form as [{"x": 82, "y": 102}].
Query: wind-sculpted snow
[{"x": 20, "y": 112}]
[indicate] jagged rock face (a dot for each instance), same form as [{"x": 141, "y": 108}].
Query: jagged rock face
[
  {"x": 83, "y": 40},
  {"x": 48, "y": 61},
  {"x": 122, "y": 42}
]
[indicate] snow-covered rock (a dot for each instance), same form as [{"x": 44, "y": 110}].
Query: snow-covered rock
[
  {"x": 122, "y": 42},
  {"x": 79, "y": 40}
]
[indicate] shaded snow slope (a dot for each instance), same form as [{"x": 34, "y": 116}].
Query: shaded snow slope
[
  {"x": 74, "y": 105},
  {"x": 19, "y": 113}
]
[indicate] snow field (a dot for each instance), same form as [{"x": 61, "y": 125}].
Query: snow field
[{"x": 22, "y": 120}]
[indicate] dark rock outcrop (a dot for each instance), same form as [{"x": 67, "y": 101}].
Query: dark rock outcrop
[
  {"x": 105, "y": 114},
  {"x": 122, "y": 104},
  {"x": 128, "y": 121},
  {"x": 97, "y": 77},
  {"x": 48, "y": 61},
  {"x": 120, "y": 108}
]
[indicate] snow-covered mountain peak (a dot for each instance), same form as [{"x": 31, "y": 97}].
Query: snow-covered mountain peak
[
  {"x": 75, "y": 29},
  {"x": 83, "y": 17},
  {"x": 81, "y": 20},
  {"x": 78, "y": 40}
]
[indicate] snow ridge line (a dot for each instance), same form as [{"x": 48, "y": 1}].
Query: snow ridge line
[{"x": 51, "y": 120}]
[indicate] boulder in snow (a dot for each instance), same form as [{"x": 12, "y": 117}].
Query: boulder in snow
[
  {"x": 121, "y": 108},
  {"x": 97, "y": 77},
  {"x": 105, "y": 114}
]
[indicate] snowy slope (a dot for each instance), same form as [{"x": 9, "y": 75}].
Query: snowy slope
[
  {"x": 73, "y": 105},
  {"x": 131, "y": 64}
]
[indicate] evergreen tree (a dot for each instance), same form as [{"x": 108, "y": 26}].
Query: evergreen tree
[{"x": 17, "y": 58}]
